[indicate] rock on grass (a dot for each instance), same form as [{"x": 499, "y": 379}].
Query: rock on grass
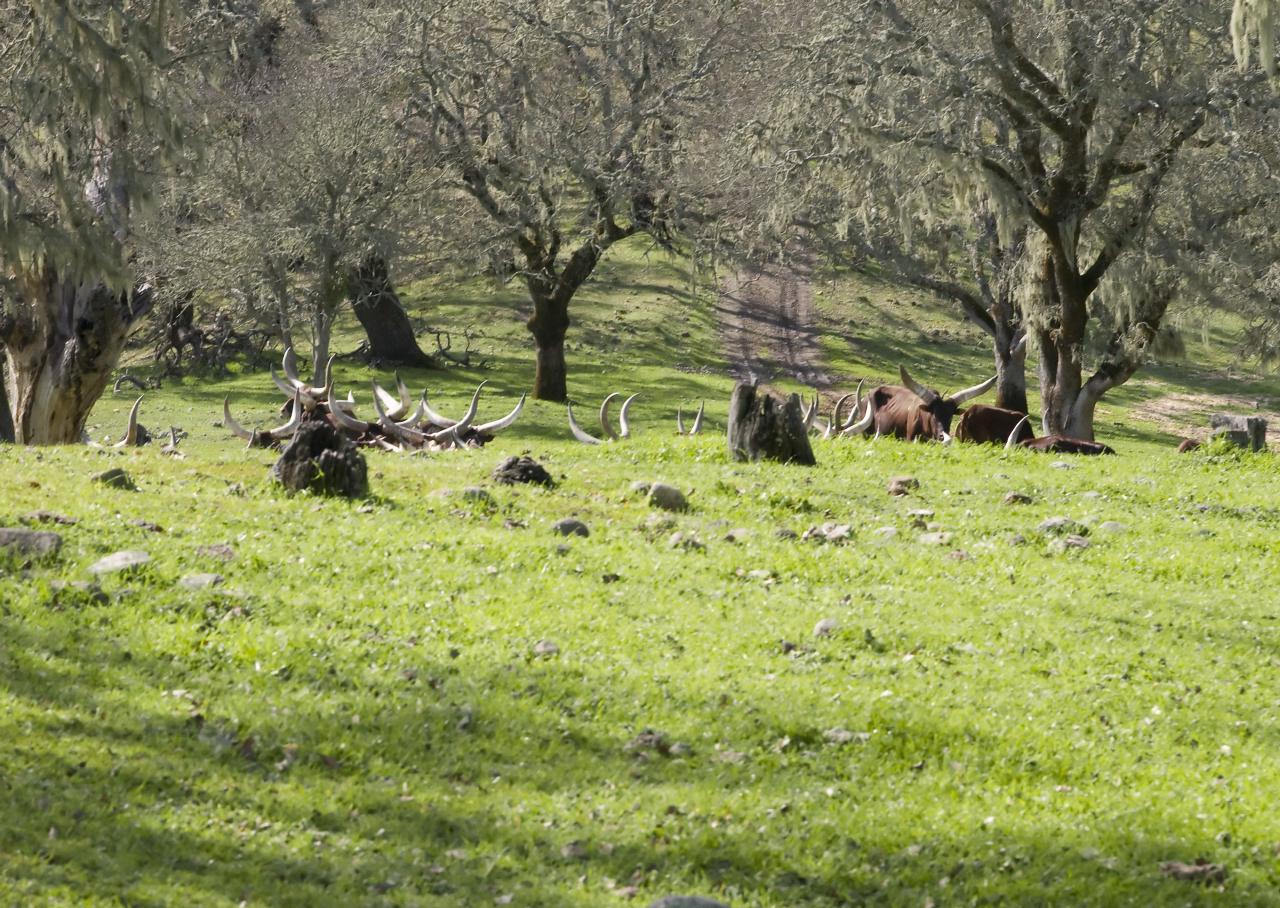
[
  {"x": 25, "y": 544},
  {"x": 570, "y": 526},
  {"x": 115, "y": 478},
  {"x": 120, "y": 561},
  {"x": 667, "y": 497}
]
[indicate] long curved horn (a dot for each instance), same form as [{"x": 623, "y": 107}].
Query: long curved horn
[
  {"x": 835, "y": 414},
  {"x": 229, "y": 421},
  {"x": 604, "y": 417},
  {"x": 857, "y": 409},
  {"x": 394, "y": 407},
  {"x": 400, "y": 433},
  {"x": 623, "y": 425},
  {"x": 810, "y": 412},
  {"x": 414, "y": 419},
  {"x": 328, "y": 378},
  {"x": 823, "y": 428},
  {"x": 406, "y": 399},
  {"x": 679, "y": 421},
  {"x": 290, "y": 366},
  {"x": 911, "y": 384},
  {"x": 286, "y": 388},
  {"x": 291, "y": 427},
  {"x": 462, "y": 424},
  {"x": 344, "y": 419},
  {"x": 577, "y": 429},
  {"x": 697, "y": 419},
  {"x": 862, "y": 425},
  {"x": 493, "y": 428},
  {"x": 1013, "y": 436},
  {"x": 131, "y": 433},
  {"x": 977, "y": 390},
  {"x": 442, "y": 422}
]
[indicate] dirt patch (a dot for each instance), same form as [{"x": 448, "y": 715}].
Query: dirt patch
[
  {"x": 768, "y": 325},
  {"x": 1187, "y": 414}
]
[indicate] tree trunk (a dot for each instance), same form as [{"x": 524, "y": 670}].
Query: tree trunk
[
  {"x": 6, "y": 415},
  {"x": 548, "y": 325},
  {"x": 321, "y": 331},
  {"x": 61, "y": 343},
  {"x": 1011, "y": 377},
  {"x": 386, "y": 324}
]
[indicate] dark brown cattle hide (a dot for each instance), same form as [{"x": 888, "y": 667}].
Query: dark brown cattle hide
[{"x": 981, "y": 424}]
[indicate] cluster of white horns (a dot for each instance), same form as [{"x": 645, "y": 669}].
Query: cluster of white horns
[
  {"x": 400, "y": 425},
  {"x": 624, "y": 424},
  {"x": 860, "y": 417}
]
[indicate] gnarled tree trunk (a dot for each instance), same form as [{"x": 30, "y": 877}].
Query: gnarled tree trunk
[
  {"x": 377, "y": 305},
  {"x": 548, "y": 325},
  {"x": 6, "y": 416},
  {"x": 61, "y": 342}
]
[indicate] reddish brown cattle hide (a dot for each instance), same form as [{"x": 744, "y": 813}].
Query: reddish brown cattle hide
[{"x": 992, "y": 425}]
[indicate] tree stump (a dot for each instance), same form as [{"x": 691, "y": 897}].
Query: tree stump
[
  {"x": 763, "y": 426},
  {"x": 1243, "y": 431},
  {"x": 322, "y": 459}
]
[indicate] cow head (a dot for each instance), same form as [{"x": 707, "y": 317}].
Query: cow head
[{"x": 943, "y": 409}]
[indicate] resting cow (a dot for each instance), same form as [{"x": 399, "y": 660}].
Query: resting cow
[
  {"x": 1057, "y": 444},
  {"x": 981, "y": 424},
  {"x": 912, "y": 411}
]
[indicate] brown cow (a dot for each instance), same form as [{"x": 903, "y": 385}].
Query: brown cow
[
  {"x": 981, "y": 424},
  {"x": 1057, "y": 444},
  {"x": 912, "y": 411}
]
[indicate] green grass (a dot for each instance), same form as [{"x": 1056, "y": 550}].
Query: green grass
[{"x": 357, "y": 716}]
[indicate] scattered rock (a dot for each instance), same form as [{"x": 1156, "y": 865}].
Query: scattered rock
[
  {"x": 830, "y": 532},
  {"x": 667, "y": 497},
  {"x": 640, "y": 487},
  {"x": 1112, "y": 526},
  {"x": 920, "y": 513},
  {"x": 115, "y": 478},
  {"x": 826, "y": 627},
  {"x": 50, "y": 517},
  {"x": 649, "y": 741},
  {"x": 1017, "y": 539},
  {"x": 886, "y": 532},
  {"x": 545, "y": 649},
  {"x": 1071, "y": 541},
  {"x": 1200, "y": 872},
  {"x": 1092, "y": 495},
  {"x": 71, "y": 589},
  {"x": 219, "y": 550},
  {"x": 1062, "y": 526},
  {"x": 939, "y": 538},
  {"x": 120, "y": 561},
  {"x": 28, "y": 544},
  {"x": 146, "y": 525},
  {"x": 574, "y": 851},
  {"x": 1017, "y": 498},
  {"x": 786, "y": 533},
  {"x": 903, "y": 485},
  {"x": 200, "y": 581},
  {"x": 1062, "y": 465},
  {"x": 838, "y": 735},
  {"x": 570, "y": 526},
  {"x": 686, "y": 541},
  {"x": 737, "y": 535},
  {"x": 478, "y": 495},
  {"x": 523, "y": 469},
  {"x": 686, "y": 901},
  {"x": 323, "y": 460}
]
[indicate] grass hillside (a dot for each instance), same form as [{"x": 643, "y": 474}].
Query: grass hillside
[{"x": 928, "y": 700}]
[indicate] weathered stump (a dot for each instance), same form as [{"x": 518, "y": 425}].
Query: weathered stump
[
  {"x": 1243, "y": 431},
  {"x": 321, "y": 458},
  {"x": 763, "y": 426}
]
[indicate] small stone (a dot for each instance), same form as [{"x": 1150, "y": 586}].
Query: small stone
[
  {"x": 680, "y": 749},
  {"x": 1062, "y": 526},
  {"x": 737, "y": 535},
  {"x": 941, "y": 538},
  {"x": 570, "y": 526},
  {"x": 1062, "y": 544},
  {"x": 545, "y": 649},
  {"x": 686, "y": 901},
  {"x": 826, "y": 627},
  {"x": 478, "y": 495},
  {"x": 1112, "y": 526},
  {"x": 1092, "y": 496},
  {"x": 147, "y": 525},
  {"x": 200, "y": 581},
  {"x": 574, "y": 851},
  {"x": 785, "y": 533},
  {"x": 90, "y": 591},
  {"x": 522, "y": 469},
  {"x": 838, "y": 735},
  {"x": 1017, "y": 498},
  {"x": 687, "y": 541},
  {"x": 640, "y": 487},
  {"x": 667, "y": 497},
  {"x": 115, "y": 478},
  {"x": 365, "y": 509},
  {"x": 1062, "y": 465},
  {"x": 120, "y": 561},
  {"x": 29, "y": 543},
  {"x": 903, "y": 485},
  {"x": 219, "y": 550},
  {"x": 924, "y": 513},
  {"x": 1017, "y": 539}
]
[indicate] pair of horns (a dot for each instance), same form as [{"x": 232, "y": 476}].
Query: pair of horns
[
  {"x": 697, "y": 420},
  {"x": 958, "y": 398},
  {"x": 280, "y": 433},
  {"x": 624, "y": 426}
]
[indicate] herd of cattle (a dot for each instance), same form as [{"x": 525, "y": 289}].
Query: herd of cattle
[{"x": 914, "y": 412}]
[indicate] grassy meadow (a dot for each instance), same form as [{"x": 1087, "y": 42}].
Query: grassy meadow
[{"x": 801, "y": 692}]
